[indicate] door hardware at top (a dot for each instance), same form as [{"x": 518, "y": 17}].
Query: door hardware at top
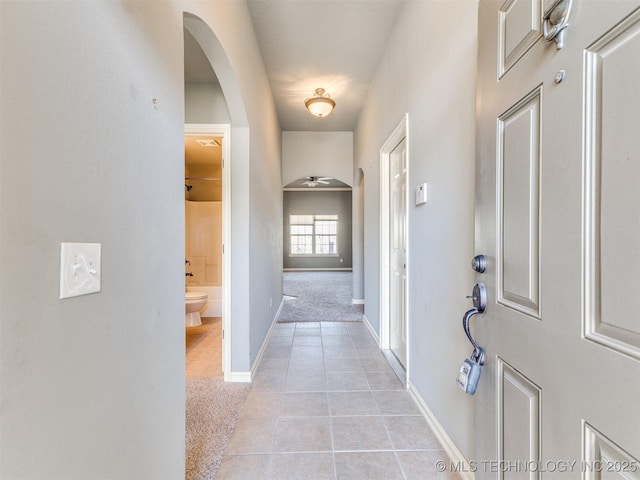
[{"x": 556, "y": 20}]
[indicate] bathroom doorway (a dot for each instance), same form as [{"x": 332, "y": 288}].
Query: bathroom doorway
[{"x": 206, "y": 219}]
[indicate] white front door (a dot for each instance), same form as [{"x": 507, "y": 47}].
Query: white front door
[
  {"x": 558, "y": 217},
  {"x": 398, "y": 251}
]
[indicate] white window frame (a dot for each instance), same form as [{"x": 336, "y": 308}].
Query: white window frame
[{"x": 314, "y": 235}]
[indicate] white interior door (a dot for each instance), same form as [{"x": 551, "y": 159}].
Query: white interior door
[
  {"x": 398, "y": 251},
  {"x": 558, "y": 216}
]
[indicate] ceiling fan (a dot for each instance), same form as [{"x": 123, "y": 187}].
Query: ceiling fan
[{"x": 313, "y": 181}]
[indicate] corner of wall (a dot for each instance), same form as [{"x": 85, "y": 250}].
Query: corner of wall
[
  {"x": 265, "y": 343},
  {"x": 458, "y": 462}
]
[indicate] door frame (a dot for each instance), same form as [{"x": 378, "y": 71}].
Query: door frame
[
  {"x": 223, "y": 130},
  {"x": 401, "y": 131}
]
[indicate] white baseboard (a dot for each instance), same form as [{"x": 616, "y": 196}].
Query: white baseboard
[
  {"x": 328, "y": 269},
  {"x": 239, "y": 377},
  {"x": 256, "y": 363},
  {"x": 357, "y": 301},
  {"x": 450, "y": 448},
  {"x": 371, "y": 330}
]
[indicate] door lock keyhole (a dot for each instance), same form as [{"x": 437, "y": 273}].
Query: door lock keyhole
[{"x": 479, "y": 297}]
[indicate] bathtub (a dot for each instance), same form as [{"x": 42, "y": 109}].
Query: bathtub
[{"x": 214, "y": 303}]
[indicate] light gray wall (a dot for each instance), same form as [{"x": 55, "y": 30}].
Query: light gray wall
[
  {"x": 428, "y": 70},
  {"x": 93, "y": 387},
  {"x": 205, "y": 103},
  {"x": 320, "y": 154},
  {"x": 319, "y": 203}
]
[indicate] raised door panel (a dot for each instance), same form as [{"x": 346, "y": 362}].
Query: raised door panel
[
  {"x": 518, "y": 195},
  {"x": 519, "y": 29},
  {"x": 603, "y": 459},
  {"x": 611, "y": 193},
  {"x": 519, "y": 415}
]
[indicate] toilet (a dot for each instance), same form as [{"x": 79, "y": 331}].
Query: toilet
[{"x": 195, "y": 301}]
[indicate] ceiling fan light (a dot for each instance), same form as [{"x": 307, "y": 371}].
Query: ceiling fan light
[{"x": 321, "y": 104}]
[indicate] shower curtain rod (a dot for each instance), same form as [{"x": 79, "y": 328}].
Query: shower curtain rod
[{"x": 206, "y": 179}]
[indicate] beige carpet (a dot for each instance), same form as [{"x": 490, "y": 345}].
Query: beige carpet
[
  {"x": 319, "y": 297},
  {"x": 212, "y": 412}
]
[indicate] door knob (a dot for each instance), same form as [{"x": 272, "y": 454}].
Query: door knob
[{"x": 479, "y": 263}]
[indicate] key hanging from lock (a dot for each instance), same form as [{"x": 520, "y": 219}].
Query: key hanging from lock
[
  {"x": 469, "y": 374},
  {"x": 471, "y": 368}
]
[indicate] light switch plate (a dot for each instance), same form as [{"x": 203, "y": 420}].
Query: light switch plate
[
  {"x": 79, "y": 268},
  {"x": 421, "y": 194}
]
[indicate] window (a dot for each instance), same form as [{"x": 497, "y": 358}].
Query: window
[
  {"x": 314, "y": 234},
  {"x": 301, "y": 236}
]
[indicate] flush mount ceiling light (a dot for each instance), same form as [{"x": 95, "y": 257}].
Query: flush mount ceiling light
[
  {"x": 320, "y": 104},
  {"x": 209, "y": 142}
]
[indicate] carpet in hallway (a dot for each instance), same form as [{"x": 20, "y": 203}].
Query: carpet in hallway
[
  {"x": 212, "y": 411},
  {"x": 319, "y": 297}
]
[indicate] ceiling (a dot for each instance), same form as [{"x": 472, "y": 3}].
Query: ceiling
[
  {"x": 203, "y": 150},
  {"x": 333, "y": 44},
  {"x": 307, "y": 44}
]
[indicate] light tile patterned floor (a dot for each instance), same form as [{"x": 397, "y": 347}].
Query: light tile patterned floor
[
  {"x": 204, "y": 348},
  {"x": 325, "y": 404}
]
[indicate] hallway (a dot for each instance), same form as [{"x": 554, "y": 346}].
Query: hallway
[{"x": 325, "y": 404}]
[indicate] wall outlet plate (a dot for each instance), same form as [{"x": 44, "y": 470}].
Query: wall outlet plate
[{"x": 80, "y": 268}]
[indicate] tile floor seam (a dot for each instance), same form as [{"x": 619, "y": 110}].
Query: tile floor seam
[
  {"x": 374, "y": 414},
  {"x": 390, "y": 440},
  {"x": 346, "y": 450},
  {"x": 383, "y": 450},
  {"x": 281, "y": 393},
  {"x": 404, "y": 475},
  {"x": 303, "y": 416},
  {"x": 333, "y": 449},
  {"x": 269, "y": 466},
  {"x": 301, "y": 452}
]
